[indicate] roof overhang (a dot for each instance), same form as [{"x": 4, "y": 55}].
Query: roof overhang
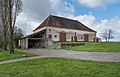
[{"x": 34, "y": 33}]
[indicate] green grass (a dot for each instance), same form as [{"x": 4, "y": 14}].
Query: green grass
[
  {"x": 4, "y": 55},
  {"x": 57, "y": 67},
  {"x": 72, "y": 43},
  {"x": 98, "y": 47}
]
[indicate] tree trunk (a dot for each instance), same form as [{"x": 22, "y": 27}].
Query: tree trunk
[
  {"x": 4, "y": 24},
  {"x": 11, "y": 40},
  {"x": 5, "y": 37},
  {"x": 5, "y": 44},
  {"x": 10, "y": 10},
  {"x": 11, "y": 43}
]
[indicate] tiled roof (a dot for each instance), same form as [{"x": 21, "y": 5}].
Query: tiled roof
[{"x": 60, "y": 22}]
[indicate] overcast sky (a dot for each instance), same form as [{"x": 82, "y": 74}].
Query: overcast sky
[{"x": 96, "y": 14}]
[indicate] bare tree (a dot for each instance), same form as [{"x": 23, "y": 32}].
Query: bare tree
[
  {"x": 14, "y": 9},
  {"x": 110, "y": 34},
  {"x": 107, "y": 34},
  {"x": 1, "y": 36},
  {"x": 9, "y": 9},
  {"x": 104, "y": 35},
  {"x": 3, "y": 22}
]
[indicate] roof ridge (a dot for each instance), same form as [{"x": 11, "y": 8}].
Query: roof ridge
[{"x": 64, "y": 18}]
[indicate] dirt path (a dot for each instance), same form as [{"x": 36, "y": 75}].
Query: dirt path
[
  {"x": 94, "y": 56},
  {"x": 22, "y": 59}
]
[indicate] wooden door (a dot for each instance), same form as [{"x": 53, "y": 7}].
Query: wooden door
[
  {"x": 94, "y": 39},
  {"x": 62, "y": 37},
  {"x": 86, "y": 38},
  {"x": 75, "y": 38},
  {"x": 97, "y": 40}
]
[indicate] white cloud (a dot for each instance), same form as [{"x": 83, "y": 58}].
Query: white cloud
[
  {"x": 40, "y": 9},
  {"x": 96, "y": 3},
  {"x": 113, "y": 24},
  {"x": 90, "y": 21},
  {"x": 55, "y": 4},
  {"x": 26, "y": 24},
  {"x": 62, "y": 8},
  {"x": 36, "y": 11}
]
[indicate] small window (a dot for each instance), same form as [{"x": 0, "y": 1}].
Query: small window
[
  {"x": 55, "y": 35},
  {"x": 49, "y": 29},
  {"x": 81, "y": 37},
  {"x": 68, "y": 35}
]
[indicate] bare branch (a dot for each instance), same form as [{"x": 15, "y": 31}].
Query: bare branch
[
  {"x": 9, "y": 10},
  {"x": 107, "y": 34}
]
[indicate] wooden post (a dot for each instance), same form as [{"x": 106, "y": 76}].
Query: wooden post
[{"x": 26, "y": 43}]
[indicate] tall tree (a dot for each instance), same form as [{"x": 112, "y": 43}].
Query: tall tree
[
  {"x": 9, "y": 9},
  {"x": 4, "y": 22},
  {"x": 1, "y": 36},
  {"x": 107, "y": 34},
  {"x": 14, "y": 9},
  {"x": 110, "y": 34}
]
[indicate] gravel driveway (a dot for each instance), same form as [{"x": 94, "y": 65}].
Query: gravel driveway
[{"x": 95, "y": 56}]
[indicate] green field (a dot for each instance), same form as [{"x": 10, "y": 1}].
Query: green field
[
  {"x": 58, "y": 67},
  {"x": 4, "y": 55},
  {"x": 97, "y": 47}
]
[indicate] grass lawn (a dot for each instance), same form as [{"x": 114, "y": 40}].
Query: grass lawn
[
  {"x": 58, "y": 67},
  {"x": 98, "y": 47},
  {"x": 4, "y": 55}
]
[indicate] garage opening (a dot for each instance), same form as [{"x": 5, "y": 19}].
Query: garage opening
[
  {"x": 37, "y": 40},
  {"x": 35, "y": 43}
]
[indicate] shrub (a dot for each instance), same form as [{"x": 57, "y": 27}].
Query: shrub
[{"x": 71, "y": 44}]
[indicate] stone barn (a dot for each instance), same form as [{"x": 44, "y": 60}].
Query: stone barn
[{"x": 55, "y": 30}]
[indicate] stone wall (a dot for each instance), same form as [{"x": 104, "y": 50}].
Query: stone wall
[
  {"x": 50, "y": 44},
  {"x": 69, "y": 33}
]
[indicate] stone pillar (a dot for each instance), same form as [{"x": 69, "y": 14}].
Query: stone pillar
[
  {"x": 26, "y": 43},
  {"x": 21, "y": 43}
]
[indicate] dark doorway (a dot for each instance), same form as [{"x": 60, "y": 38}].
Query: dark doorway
[
  {"x": 75, "y": 38},
  {"x": 94, "y": 39},
  {"x": 97, "y": 40},
  {"x": 72, "y": 39}
]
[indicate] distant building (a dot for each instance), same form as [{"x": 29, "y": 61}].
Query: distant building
[{"x": 58, "y": 29}]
